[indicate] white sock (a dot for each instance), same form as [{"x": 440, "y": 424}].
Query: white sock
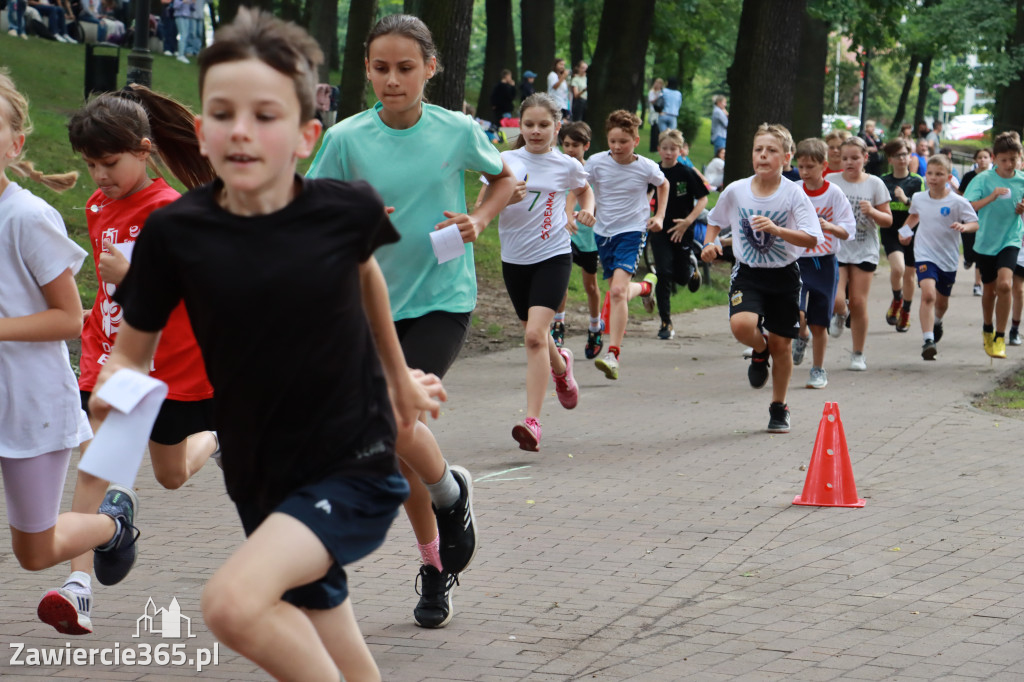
[
  {"x": 80, "y": 577},
  {"x": 445, "y": 492},
  {"x": 929, "y": 336},
  {"x": 595, "y": 324}
]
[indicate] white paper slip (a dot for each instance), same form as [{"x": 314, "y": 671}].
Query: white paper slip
[
  {"x": 116, "y": 451},
  {"x": 1004, "y": 196},
  {"x": 906, "y": 232},
  {"x": 126, "y": 249},
  {"x": 447, "y": 243}
]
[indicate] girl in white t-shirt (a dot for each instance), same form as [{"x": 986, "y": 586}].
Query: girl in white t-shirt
[
  {"x": 858, "y": 257},
  {"x": 41, "y": 418},
  {"x": 536, "y": 257}
]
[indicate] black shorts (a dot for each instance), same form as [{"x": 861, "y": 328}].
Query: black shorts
[
  {"x": 585, "y": 259},
  {"x": 350, "y": 515},
  {"x": 864, "y": 265},
  {"x": 990, "y": 265},
  {"x": 1018, "y": 270},
  {"x": 890, "y": 238},
  {"x": 772, "y": 293},
  {"x": 538, "y": 284},
  {"x": 431, "y": 342},
  {"x": 177, "y": 419}
]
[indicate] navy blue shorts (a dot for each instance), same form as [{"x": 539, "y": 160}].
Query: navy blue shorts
[
  {"x": 621, "y": 251},
  {"x": 350, "y": 515},
  {"x": 819, "y": 276},
  {"x": 944, "y": 279}
]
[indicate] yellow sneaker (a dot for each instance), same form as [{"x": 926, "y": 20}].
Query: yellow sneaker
[
  {"x": 998, "y": 348},
  {"x": 987, "y": 339}
]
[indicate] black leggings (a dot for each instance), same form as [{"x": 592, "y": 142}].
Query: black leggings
[
  {"x": 672, "y": 261},
  {"x": 431, "y": 342}
]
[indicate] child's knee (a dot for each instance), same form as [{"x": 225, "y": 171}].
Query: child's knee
[
  {"x": 535, "y": 339},
  {"x": 1003, "y": 286},
  {"x": 227, "y": 610},
  {"x": 619, "y": 291},
  {"x": 171, "y": 480}
]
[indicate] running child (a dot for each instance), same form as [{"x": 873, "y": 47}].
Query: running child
[
  {"x": 674, "y": 259},
  {"x": 536, "y": 257},
  {"x": 773, "y": 223},
  {"x": 858, "y": 257},
  {"x": 41, "y": 417},
  {"x": 982, "y": 162},
  {"x": 834, "y": 139},
  {"x": 941, "y": 216},
  {"x": 620, "y": 178},
  {"x": 308, "y": 442},
  {"x": 902, "y": 185},
  {"x": 997, "y": 196},
  {"x": 415, "y": 155},
  {"x": 118, "y": 135},
  {"x": 575, "y": 140},
  {"x": 819, "y": 270}
]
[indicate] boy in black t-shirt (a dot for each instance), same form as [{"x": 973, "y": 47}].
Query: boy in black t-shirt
[
  {"x": 902, "y": 185},
  {"x": 306, "y": 427},
  {"x": 673, "y": 256}
]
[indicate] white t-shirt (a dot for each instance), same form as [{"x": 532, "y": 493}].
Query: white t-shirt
[
  {"x": 831, "y": 206},
  {"x": 533, "y": 230},
  {"x": 621, "y": 192},
  {"x": 561, "y": 93},
  {"x": 40, "y": 407},
  {"x": 934, "y": 242},
  {"x": 864, "y": 247},
  {"x": 788, "y": 207}
]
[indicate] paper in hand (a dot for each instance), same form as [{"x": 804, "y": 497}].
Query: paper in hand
[
  {"x": 906, "y": 232},
  {"x": 447, "y": 243}
]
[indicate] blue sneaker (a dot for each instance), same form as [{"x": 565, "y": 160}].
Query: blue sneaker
[{"x": 112, "y": 562}]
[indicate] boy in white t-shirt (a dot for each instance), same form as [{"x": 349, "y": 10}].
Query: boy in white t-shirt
[
  {"x": 773, "y": 223},
  {"x": 620, "y": 179},
  {"x": 941, "y": 216},
  {"x": 819, "y": 269}
]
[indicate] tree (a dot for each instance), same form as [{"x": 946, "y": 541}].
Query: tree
[
  {"x": 323, "y": 26},
  {"x": 577, "y": 32},
  {"x": 617, "y": 73},
  {"x": 500, "y": 52},
  {"x": 1009, "y": 112},
  {"x": 537, "y": 33},
  {"x": 361, "y": 16},
  {"x": 227, "y": 9},
  {"x": 908, "y": 83},
  {"x": 808, "y": 100},
  {"x": 923, "y": 86},
  {"x": 450, "y": 22}
]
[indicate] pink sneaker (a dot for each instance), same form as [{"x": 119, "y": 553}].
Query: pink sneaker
[
  {"x": 527, "y": 434},
  {"x": 566, "y": 388}
]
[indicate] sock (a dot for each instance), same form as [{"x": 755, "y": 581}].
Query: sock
[
  {"x": 560, "y": 317},
  {"x": 987, "y": 328},
  {"x": 938, "y": 320},
  {"x": 445, "y": 492},
  {"x": 897, "y": 295},
  {"x": 614, "y": 350},
  {"x": 79, "y": 578},
  {"x": 906, "y": 306},
  {"x": 430, "y": 554},
  {"x": 595, "y": 324},
  {"x": 929, "y": 336},
  {"x": 1014, "y": 325},
  {"x": 1000, "y": 335},
  {"x": 645, "y": 288}
]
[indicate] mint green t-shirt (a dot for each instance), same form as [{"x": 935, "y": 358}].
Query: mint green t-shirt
[
  {"x": 999, "y": 226},
  {"x": 419, "y": 171}
]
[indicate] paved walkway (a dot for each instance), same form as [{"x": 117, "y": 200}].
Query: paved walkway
[{"x": 654, "y": 539}]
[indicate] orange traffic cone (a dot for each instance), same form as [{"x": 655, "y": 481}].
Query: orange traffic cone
[
  {"x": 606, "y": 311},
  {"x": 830, "y": 475}
]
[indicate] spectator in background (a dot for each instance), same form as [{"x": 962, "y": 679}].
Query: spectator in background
[
  {"x": 195, "y": 35},
  {"x": 669, "y": 117},
  {"x": 876, "y": 160},
  {"x": 168, "y": 29},
  {"x": 503, "y": 97},
  {"x": 578, "y": 85},
  {"x": 655, "y": 103},
  {"x": 719, "y": 123},
  {"x": 934, "y": 142},
  {"x": 16, "y": 18},
  {"x": 56, "y": 18},
  {"x": 526, "y": 87},
  {"x": 954, "y": 176},
  {"x": 714, "y": 172},
  {"x": 183, "y": 10},
  {"x": 905, "y": 133},
  {"x": 922, "y": 131},
  {"x": 558, "y": 87}
]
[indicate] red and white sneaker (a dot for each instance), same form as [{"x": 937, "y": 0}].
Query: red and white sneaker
[
  {"x": 527, "y": 434},
  {"x": 566, "y": 388},
  {"x": 67, "y": 610}
]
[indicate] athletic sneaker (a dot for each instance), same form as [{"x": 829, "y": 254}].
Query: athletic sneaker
[
  {"x": 977, "y": 290},
  {"x": 666, "y": 332},
  {"x": 998, "y": 348},
  {"x": 904, "y": 323},
  {"x": 434, "y": 609},
  {"x": 695, "y": 280},
  {"x": 892, "y": 315},
  {"x": 937, "y": 330},
  {"x": 928, "y": 350},
  {"x": 778, "y": 421},
  {"x": 857, "y": 362},
  {"x": 818, "y": 378},
  {"x": 836, "y": 324},
  {"x": 67, "y": 609},
  {"x": 594, "y": 343},
  {"x": 1014, "y": 338},
  {"x": 757, "y": 373},
  {"x": 986, "y": 339},
  {"x": 558, "y": 333},
  {"x": 527, "y": 434},
  {"x": 799, "y": 348},
  {"x": 566, "y": 389},
  {"x": 747, "y": 352},
  {"x": 456, "y": 526},
  {"x": 648, "y": 300},
  {"x": 112, "y": 562},
  {"x": 609, "y": 364}
]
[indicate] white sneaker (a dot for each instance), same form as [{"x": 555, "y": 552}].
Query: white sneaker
[
  {"x": 836, "y": 325},
  {"x": 168, "y": 53},
  {"x": 60, "y": 38},
  {"x": 818, "y": 378},
  {"x": 857, "y": 363},
  {"x": 68, "y": 39},
  {"x": 67, "y": 609},
  {"x": 609, "y": 364},
  {"x": 182, "y": 58}
]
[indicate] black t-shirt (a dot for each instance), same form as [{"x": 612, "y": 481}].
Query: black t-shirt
[
  {"x": 911, "y": 184},
  {"x": 876, "y": 159},
  {"x": 276, "y": 305},
  {"x": 685, "y": 188},
  {"x": 968, "y": 176},
  {"x": 503, "y": 98}
]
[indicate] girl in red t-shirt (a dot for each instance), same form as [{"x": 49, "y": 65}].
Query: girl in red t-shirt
[{"x": 117, "y": 135}]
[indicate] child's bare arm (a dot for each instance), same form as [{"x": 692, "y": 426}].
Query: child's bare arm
[
  {"x": 711, "y": 249},
  {"x": 833, "y": 229},
  {"x": 496, "y": 195},
  {"x": 796, "y": 237},
  {"x": 965, "y": 227},
  {"x": 981, "y": 203},
  {"x": 61, "y": 320},
  {"x": 585, "y": 198},
  {"x": 656, "y": 221},
  {"x": 134, "y": 350}
]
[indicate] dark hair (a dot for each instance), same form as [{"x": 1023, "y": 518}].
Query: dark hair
[
  {"x": 673, "y": 83},
  {"x": 894, "y": 147},
  {"x": 283, "y": 46},
  {"x": 1008, "y": 142},
  {"x": 540, "y": 100},
  {"x": 983, "y": 149},
  {"x": 407, "y": 26},
  {"x": 577, "y": 131},
  {"x": 813, "y": 148},
  {"x": 118, "y": 122},
  {"x": 627, "y": 121},
  {"x": 505, "y": 72}
]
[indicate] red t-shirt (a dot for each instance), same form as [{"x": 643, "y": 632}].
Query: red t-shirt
[{"x": 178, "y": 362}]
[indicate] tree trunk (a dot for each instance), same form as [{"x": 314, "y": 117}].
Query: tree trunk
[
  {"x": 901, "y": 106},
  {"x": 809, "y": 97},
  {"x": 451, "y": 22},
  {"x": 761, "y": 76},
  {"x": 499, "y": 54},
  {"x": 227, "y": 9},
  {"x": 617, "y": 73},
  {"x": 1010, "y": 107},
  {"x": 923, "y": 84},
  {"x": 323, "y": 26},
  {"x": 537, "y": 25},
  {"x": 412, "y": 7},
  {"x": 362, "y": 14},
  {"x": 577, "y": 32},
  {"x": 292, "y": 10}
]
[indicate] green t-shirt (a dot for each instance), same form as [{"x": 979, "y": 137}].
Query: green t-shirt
[
  {"x": 419, "y": 171},
  {"x": 999, "y": 226}
]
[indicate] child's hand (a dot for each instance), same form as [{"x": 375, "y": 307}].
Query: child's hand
[
  {"x": 958, "y": 226},
  {"x": 865, "y": 207},
  {"x": 901, "y": 195},
  {"x": 654, "y": 224},
  {"x": 469, "y": 227},
  {"x": 999, "y": 191},
  {"x": 678, "y": 229},
  {"x": 113, "y": 265},
  {"x": 519, "y": 194},
  {"x": 905, "y": 240},
  {"x": 763, "y": 223},
  {"x": 1019, "y": 208},
  {"x": 585, "y": 217},
  {"x": 418, "y": 392},
  {"x": 710, "y": 252}
]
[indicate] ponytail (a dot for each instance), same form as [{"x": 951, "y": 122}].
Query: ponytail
[{"x": 58, "y": 182}]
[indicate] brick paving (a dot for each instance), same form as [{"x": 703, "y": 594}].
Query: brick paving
[{"x": 653, "y": 537}]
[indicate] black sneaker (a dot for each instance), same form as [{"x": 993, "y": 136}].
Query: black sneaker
[
  {"x": 558, "y": 333},
  {"x": 666, "y": 332},
  {"x": 937, "y": 330},
  {"x": 594, "y": 343},
  {"x": 778, "y": 418},
  {"x": 757, "y": 373},
  {"x": 693, "y": 284},
  {"x": 456, "y": 526},
  {"x": 112, "y": 562},
  {"x": 1013, "y": 338},
  {"x": 928, "y": 350},
  {"x": 434, "y": 609}
]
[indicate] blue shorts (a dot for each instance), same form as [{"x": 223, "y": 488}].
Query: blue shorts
[
  {"x": 819, "y": 276},
  {"x": 620, "y": 252},
  {"x": 943, "y": 279},
  {"x": 350, "y": 515}
]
